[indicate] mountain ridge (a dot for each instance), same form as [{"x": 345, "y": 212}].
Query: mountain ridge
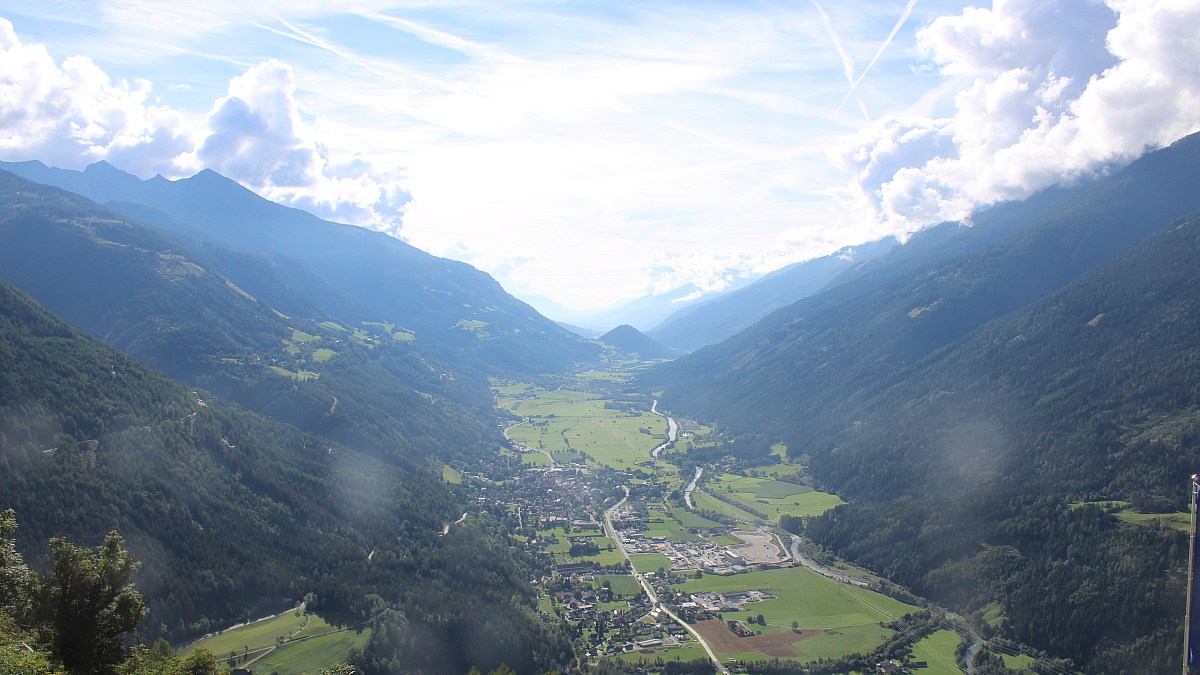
[{"x": 449, "y": 305}]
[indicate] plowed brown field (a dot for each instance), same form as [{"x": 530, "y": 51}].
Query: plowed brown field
[{"x": 777, "y": 645}]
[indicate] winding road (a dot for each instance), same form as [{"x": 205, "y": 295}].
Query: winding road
[{"x": 526, "y": 421}]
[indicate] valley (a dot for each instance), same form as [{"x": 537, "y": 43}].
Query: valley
[
  {"x": 958, "y": 454},
  {"x": 640, "y": 577}
]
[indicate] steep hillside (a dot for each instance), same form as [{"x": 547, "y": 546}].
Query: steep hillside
[
  {"x": 163, "y": 302},
  {"x": 235, "y": 515},
  {"x": 711, "y": 321},
  {"x": 807, "y": 365},
  {"x": 1088, "y": 395},
  {"x": 968, "y": 401},
  {"x": 446, "y": 305}
]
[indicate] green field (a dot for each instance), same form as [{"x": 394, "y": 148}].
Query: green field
[
  {"x": 311, "y": 647},
  {"x": 311, "y": 654},
  {"x": 450, "y": 475},
  {"x": 937, "y": 649},
  {"x": 1020, "y": 662},
  {"x": 623, "y": 585},
  {"x": 693, "y": 521},
  {"x": 767, "y": 495},
  {"x": 566, "y": 421},
  {"x": 706, "y": 502},
  {"x": 689, "y": 651},
  {"x": 302, "y": 375},
  {"x": 649, "y": 562},
  {"x": 535, "y": 459},
  {"x": 850, "y": 615},
  {"x": 1181, "y": 520},
  {"x": 251, "y": 637},
  {"x": 841, "y": 641},
  {"x": 668, "y": 527}
]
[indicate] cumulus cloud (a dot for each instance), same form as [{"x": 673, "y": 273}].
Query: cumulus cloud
[
  {"x": 257, "y": 135},
  {"x": 1051, "y": 91},
  {"x": 74, "y": 114}
]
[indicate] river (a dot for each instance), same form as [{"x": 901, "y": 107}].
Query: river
[{"x": 672, "y": 430}]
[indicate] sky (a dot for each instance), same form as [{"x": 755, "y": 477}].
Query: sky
[{"x": 592, "y": 152}]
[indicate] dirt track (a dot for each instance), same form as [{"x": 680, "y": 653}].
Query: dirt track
[{"x": 724, "y": 641}]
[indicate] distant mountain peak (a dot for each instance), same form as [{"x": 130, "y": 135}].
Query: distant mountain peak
[
  {"x": 103, "y": 167},
  {"x": 633, "y": 341}
]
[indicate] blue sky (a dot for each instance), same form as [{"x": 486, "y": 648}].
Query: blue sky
[{"x": 591, "y": 152}]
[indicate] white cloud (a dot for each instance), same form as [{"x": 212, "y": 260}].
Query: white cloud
[
  {"x": 1050, "y": 91},
  {"x": 600, "y": 152},
  {"x": 74, "y": 114},
  {"x": 257, "y": 136}
]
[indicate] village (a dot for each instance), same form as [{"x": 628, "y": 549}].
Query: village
[{"x": 591, "y": 583}]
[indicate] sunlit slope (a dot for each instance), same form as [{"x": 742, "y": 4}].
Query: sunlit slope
[
  {"x": 166, "y": 302},
  {"x": 451, "y": 306}
]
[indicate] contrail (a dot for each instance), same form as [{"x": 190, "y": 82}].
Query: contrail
[
  {"x": 882, "y": 48},
  {"x": 847, "y": 64}
]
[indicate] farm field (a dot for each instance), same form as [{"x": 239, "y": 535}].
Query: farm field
[
  {"x": 689, "y": 651},
  {"x": 1180, "y": 520},
  {"x": 831, "y": 620},
  {"x": 569, "y": 423},
  {"x": 649, "y": 562},
  {"x": 253, "y": 636},
  {"x": 311, "y": 654},
  {"x": 310, "y": 647},
  {"x": 937, "y": 650},
  {"x": 769, "y": 496},
  {"x": 847, "y": 617}
]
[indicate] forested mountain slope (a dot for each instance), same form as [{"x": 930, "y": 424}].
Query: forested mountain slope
[
  {"x": 1091, "y": 394},
  {"x": 796, "y": 370},
  {"x": 965, "y": 402},
  {"x": 161, "y": 301},
  {"x": 235, "y": 515},
  {"x": 447, "y": 305}
]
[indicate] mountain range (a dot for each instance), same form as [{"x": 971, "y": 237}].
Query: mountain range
[
  {"x": 446, "y": 305},
  {"x": 985, "y": 396},
  {"x": 966, "y": 389}
]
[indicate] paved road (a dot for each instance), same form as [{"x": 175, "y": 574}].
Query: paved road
[
  {"x": 526, "y": 421},
  {"x": 654, "y": 602},
  {"x": 821, "y": 569}
]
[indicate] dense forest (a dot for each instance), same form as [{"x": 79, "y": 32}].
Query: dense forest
[
  {"x": 163, "y": 301},
  {"x": 234, "y": 515},
  {"x": 972, "y": 399}
]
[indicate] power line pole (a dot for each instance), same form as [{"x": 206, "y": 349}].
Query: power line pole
[{"x": 1191, "y": 631}]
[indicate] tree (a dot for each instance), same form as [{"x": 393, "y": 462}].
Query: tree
[
  {"x": 14, "y": 575},
  {"x": 86, "y": 603}
]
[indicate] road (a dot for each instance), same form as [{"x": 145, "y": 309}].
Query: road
[
  {"x": 821, "y": 569},
  {"x": 526, "y": 421},
  {"x": 654, "y": 602}
]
